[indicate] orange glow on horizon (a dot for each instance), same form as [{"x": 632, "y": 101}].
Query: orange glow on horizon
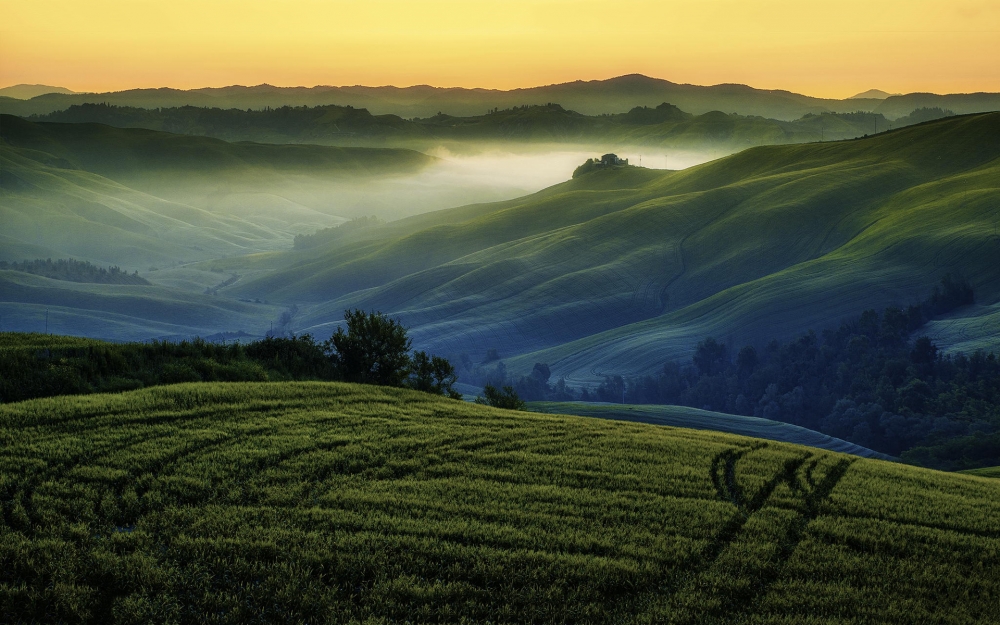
[{"x": 819, "y": 48}]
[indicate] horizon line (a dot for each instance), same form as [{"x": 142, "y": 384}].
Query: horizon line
[{"x": 466, "y": 88}]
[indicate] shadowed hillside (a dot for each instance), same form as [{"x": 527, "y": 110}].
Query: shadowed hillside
[{"x": 620, "y": 270}]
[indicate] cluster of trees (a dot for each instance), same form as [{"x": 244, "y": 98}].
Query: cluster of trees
[
  {"x": 536, "y": 386},
  {"x": 74, "y": 271},
  {"x": 871, "y": 381},
  {"x": 374, "y": 349}
]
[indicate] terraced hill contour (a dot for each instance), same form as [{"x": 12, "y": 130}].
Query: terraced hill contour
[{"x": 337, "y": 503}]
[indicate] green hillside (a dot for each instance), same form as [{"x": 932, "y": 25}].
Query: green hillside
[
  {"x": 125, "y": 312},
  {"x": 693, "y": 418},
  {"x": 277, "y": 503},
  {"x": 621, "y": 270},
  {"x": 166, "y": 198}
]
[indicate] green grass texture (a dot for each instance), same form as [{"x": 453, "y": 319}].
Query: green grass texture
[{"x": 335, "y": 503}]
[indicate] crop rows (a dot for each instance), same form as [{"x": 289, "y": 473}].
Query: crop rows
[{"x": 315, "y": 503}]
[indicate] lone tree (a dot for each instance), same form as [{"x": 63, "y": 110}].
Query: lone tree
[
  {"x": 507, "y": 398},
  {"x": 374, "y": 350}
]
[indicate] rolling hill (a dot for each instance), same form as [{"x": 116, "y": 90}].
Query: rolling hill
[
  {"x": 167, "y": 198},
  {"x": 614, "y": 95},
  {"x": 276, "y": 503},
  {"x": 124, "y": 312},
  {"x": 621, "y": 270}
]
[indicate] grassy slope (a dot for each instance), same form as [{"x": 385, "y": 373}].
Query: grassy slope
[
  {"x": 684, "y": 417},
  {"x": 621, "y": 270},
  {"x": 124, "y": 312},
  {"x": 49, "y": 204},
  {"x": 339, "y": 503},
  {"x": 140, "y": 199},
  {"x": 276, "y": 187}
]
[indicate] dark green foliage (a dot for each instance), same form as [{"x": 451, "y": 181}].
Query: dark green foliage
[
  {"x": 36, "y": 365},
  {"x": 506, "y": 398},
  {"x": 293, "y": 358},
  {"x": 867, "y": 382},
  {"x": 664, "y": 124},
  {"x": 958, "y": 454},
  {"x": 589, "y": 165},
  {"x": 75, "y": 271},
  {"x": 923, "y": 114},
  {"x": 644, "y": 115},
  {"x": 432, "y": 374},
  {"x": 709, "y": 357},
  {"x": 374, "y": 350},
  {"x": 952, "y": 293}
]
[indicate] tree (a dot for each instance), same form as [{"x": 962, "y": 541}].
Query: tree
[
  {"x": 432, "y": 374},
  {"x": 507, "y": 398},
  {"x": 374, "y": 350},
  {"x": 710, "y": 357}
]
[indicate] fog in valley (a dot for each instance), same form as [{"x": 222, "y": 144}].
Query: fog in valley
[{"x": 463, "y": 176}]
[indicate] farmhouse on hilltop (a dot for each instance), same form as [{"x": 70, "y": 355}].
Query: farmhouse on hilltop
[{"x": 611, "y": 160}]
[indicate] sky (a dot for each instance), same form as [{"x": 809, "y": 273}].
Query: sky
[{"x": 826, "y": 49}]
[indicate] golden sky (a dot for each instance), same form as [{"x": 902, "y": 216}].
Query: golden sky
[{"x": 832, "y": 48}]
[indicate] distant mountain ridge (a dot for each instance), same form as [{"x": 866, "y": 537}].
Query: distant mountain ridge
[
  {"x": 613, "y": 95},
  {"x": 872, "y": 94},
  {"x": 26, "y": 92}
]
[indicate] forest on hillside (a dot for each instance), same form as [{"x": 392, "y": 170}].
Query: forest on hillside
[
  {"x": 74, "y": 271},
  {"x": 874, "y": 381}
]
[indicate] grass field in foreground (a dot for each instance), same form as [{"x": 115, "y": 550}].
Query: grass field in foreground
[
  {"x": 314, "y": 503},
  {"x": 694, "y": 418}
]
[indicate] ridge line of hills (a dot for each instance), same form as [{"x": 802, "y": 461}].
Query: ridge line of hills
[
  {"x": 662, "y": 126},
  {"x": 612, "y": 95}
]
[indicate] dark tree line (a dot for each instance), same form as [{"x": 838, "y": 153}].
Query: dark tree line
[
  {"x": 374, "y": 349},
  {"x": 74, "y": 271},
  {"x": 872, "y": 381}
]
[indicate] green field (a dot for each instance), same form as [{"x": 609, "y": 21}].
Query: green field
[
  {"x": 694, "y": 418},
  {"x": 318, "y": 502}
]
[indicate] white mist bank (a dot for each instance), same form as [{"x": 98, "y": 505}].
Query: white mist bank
[{"x": 458, "y": 179}]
